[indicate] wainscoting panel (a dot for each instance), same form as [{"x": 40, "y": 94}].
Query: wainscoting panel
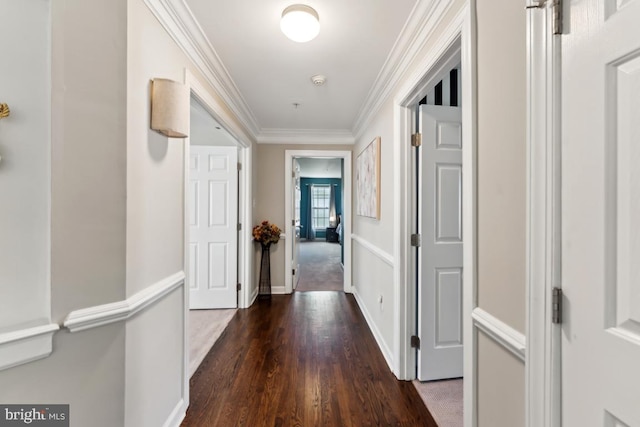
[{"x": 374, "y": 291}]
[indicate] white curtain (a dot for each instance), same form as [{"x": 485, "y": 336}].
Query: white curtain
[
  {"x": 333, "y": 218},
  {"x": 311, "y": 231}
]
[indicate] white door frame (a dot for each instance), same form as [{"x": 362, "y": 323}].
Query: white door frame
[
  {"x": 456, "y": 41},
  {"x": 245, "y": 255},
  {"x": 289, "y": 155},
  {"x": 543, "y": 393}
]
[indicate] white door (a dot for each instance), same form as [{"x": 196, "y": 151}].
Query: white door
[
  {"x": 213, "y": 219},
  {"x": 601, "y": 213},
  {"x": 440, "y": 254},
  {"x": 297, "y": 195}
]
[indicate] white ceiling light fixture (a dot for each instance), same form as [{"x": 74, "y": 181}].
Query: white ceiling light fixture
[{"x": 300, "y": 23}]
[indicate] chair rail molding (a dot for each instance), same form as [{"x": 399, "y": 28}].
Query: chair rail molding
[
  {"x": 382, "y": 255},
  {"x": 26, "y": 345},
  {"x": 91, "y": 317},
  {"x": 500, "y": 332}
]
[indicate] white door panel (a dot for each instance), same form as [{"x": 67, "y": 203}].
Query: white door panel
[
  {"x": 213, "y": 218},
  {"x": 601, "y": 214},
  {"x": 440, "y": 255}
]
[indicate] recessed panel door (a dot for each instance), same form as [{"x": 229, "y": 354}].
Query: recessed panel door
[
  {"x": 601, "y": 213},
  {"x": 440, "y": 253},
  {"x": 213, "y": 220}
]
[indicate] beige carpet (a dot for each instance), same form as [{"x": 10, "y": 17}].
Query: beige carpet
[
  {"x": 320, "y": 266},
  {"x": 205, "y": 327},
  {"x": 444, "y": 400}
]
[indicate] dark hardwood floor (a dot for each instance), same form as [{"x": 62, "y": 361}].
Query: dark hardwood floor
[{"x": 307, "y": 360}]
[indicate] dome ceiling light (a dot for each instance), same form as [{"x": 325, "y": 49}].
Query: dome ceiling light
[{"x": 300, "y": 23}]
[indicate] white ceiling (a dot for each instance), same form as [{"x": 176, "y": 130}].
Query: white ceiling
[
  {"x": 205, "y": 130},
  {"x": 272, "y": 72}
]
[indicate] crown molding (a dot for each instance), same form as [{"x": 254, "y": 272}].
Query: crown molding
[
  {"x": 306, "y": 136},
  {"x": 178, "y": 20},
  {"x": 421, "y": 24}
]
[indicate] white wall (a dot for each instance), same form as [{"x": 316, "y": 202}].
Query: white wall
[
  {"x": 372, "y": 276},
  {"x": 502, "y": 190},
  {"x": 155, "y": 163},
  {"x": 25, "y": 169},
  {"x": 88, "y": 78},
  {"x": 117, "y": 214},
  {"x": 89, "y": 154}
]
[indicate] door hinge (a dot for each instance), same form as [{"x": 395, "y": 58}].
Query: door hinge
[
  {"x": 416, "y": 240},
  {"x": 416, "y": 140},
  {"x": 239, "y": 166},
  {"x": 556, "y": 306},
  {"x": 239, "y": 287},
  {"x": 415, "y": 342},
  {"x": 239, "y": 226},
  {"x": 293, "y": 271},
  {"x": 556, "y": 11},
  {"x": 293, "y": 222}
]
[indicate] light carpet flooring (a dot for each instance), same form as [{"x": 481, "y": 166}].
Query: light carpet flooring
[
  {"x": 320, "y": 266},
  {"x": 444, "y": 400},
  {"x": 205, "y": 326}
]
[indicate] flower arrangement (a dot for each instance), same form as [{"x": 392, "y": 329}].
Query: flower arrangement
[{"x": 266, "y": 233}]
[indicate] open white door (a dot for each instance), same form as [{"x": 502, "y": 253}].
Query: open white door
[
  {"x": 601, "y": 213},
  {"x": 440, "y": 255},
  {"x": 213, "y": 219},
  {"x": 295, "y": 242}
]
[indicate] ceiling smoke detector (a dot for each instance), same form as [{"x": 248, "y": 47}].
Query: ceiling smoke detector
[{"x": 318, "y": 80}]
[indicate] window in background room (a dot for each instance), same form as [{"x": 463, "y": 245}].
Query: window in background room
[{"x": 320, "y": 206}]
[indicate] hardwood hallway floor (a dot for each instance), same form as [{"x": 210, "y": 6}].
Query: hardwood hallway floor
[{"x": 303, "y": 360}]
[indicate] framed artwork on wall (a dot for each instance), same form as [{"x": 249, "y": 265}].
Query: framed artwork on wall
[{"x": 368, "y": 180}]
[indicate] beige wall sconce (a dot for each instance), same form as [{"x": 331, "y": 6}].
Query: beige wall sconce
[
  {"x": 4, "y": 111},
  {"x": 170, "y": 108}
]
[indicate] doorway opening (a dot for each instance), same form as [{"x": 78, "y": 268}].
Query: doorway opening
[
  {"x": 318, "y": 259},
  {"x": 438, "y": 259},
  {"x": 318, "y": 218},
  {"x": 437, "y": 297},
  {"x": 213, "y": 205},
  {"x": 223, "y": 244}
]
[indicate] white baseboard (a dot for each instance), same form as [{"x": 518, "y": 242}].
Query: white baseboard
[
  {"x": 177, "y": 415},
  {"x": 278, "y": 290},
  {"x": 253, "y": 297},
  {"x": 91, "y": 317},
  {"x": 388, "y": 355}
]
